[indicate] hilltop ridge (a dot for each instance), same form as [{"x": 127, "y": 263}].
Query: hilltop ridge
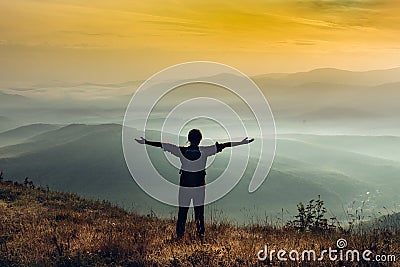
[{"x": 41, "y": 227}]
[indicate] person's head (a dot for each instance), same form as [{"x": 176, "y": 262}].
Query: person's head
[{"x": 195, "y": 137}]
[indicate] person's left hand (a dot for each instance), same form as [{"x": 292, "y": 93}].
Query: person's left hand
[
  {"x": 141, "y": 140},
  {"x": 247, "y": 140}
]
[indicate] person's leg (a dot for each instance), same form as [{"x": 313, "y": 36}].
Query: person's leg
[
  {"x": 198, "y": 202},
  {"x": 180, "y": 224},
  {"x": 184, "y": 202},
  {"x": 199, "y": 218}
]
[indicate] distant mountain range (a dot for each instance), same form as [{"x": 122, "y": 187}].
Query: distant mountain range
[
  {"x": 327, "y": 95},
  {"x": 304, "y": 95},
  {"x": 332, "y": 75},
  {"x": 4, "y": 98},
  {"x": 20, "y": 134},
  {"x": 88, "y": 159}
]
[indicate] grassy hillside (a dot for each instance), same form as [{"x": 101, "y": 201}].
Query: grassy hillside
[{"x": 41, "y": 227}]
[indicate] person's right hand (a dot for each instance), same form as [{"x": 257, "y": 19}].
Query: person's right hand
[
  {"x": 247, "y": 140},
  {"x": 141, "y": 140}
]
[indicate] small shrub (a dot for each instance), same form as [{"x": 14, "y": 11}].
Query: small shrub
[{"x": 312, "y": 217}]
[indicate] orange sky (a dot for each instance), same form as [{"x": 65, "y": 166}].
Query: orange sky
[{"x": 121, "y": 40}]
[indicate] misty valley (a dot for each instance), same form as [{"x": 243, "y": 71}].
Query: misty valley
[{"x": 344, "y": 146}]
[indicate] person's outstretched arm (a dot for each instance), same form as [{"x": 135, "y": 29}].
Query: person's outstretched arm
[
  {"x": 243, "y": 142},
  {"x": 147, "y": 142},
  {"x": 232, "y": 144},
  {"x": 173, "y": 149}
]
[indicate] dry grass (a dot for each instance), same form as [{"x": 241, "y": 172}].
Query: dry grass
[{"x": 40, "y": 228}]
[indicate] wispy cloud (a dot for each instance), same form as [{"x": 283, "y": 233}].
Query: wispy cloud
[
  {"x": 189, "y": 28},
  {"x": 344, "y": 4},
  {"x": 94, "y": 34},
  {"x": 316, "y": 22},
  {"x": 180, "y": 24},
  {"x": 144, "y": 36},
  {"x": 357, "y": 14}
]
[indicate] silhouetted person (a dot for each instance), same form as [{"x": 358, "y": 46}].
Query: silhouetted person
[{"x": 192, "y": 174}]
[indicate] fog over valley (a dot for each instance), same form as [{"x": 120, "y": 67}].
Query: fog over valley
[{"x": 338, "y": 136}]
